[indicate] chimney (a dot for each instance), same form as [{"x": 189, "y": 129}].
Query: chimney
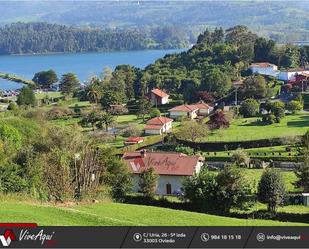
[{"x": 143, "y": 153}]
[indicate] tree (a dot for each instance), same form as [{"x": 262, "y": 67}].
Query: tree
[
  {"x": 148, "y": 183},
  {"x": 232, "y": 188},
  {"x": 218, "y": 120},
  {"x": 201, "y": 190},
  {"x": 191, "y": 130},
  {"x": 68, "y": 83},
  {"x": 155, "y": 112},
  {"x": 93, "y": 93},
  {"x": 302, "y": 169},
  {"x": 105, "y": 118},
  {"x": 45, "y": 78},
  {"x": 294, "y": 106},
  {"x": 26, "y": 97},
  {"x": 240, "y": 158},
  {"x": 271, "y": 189},
  {"x": 91, "y": 118},
  {"x": 254, "y": 87},
  {"x": 206, "y": 97},
  {"x": 263, "y": 49},
  {"x": 249, "y": 108},
  {"x": 111, "y": 97},
  {"x": 144, "y": 106},
  {"x": 216, "y": 82}
]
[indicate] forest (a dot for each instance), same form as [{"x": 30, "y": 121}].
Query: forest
[{"x": 25, "y": 38}]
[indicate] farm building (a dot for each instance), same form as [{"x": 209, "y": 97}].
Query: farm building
[
  {"x": 171, "y": 168},
  {"x": 159, "y": 97},
  {"x": 158, "y": 125},
  {"x": 134, "y": 140},
  {"x": 264, "y": 68}
]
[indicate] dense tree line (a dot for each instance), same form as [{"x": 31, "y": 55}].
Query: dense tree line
[{"x": 19, "y": 38}]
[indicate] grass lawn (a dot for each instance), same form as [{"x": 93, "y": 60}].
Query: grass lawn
[
  {"x": 244, "y": 129},
  {"x": 254, "y": 175},
  {"x": 115, "y": 214},
  {"x": 49, "y": 94}
]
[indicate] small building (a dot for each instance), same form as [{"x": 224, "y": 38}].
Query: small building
[
  {"x": 158, "y": 125},
  {"x": 306, "y": 199},
  {"x": 189, "y": 111},
  {"x": 134, "y": 140},
  {"x": 171, "y": 168},
  {"x": 159, "y": 97},
  {"x": 291, "y": 73},
  {"x": 203, "y": 108},
  {"x": 264, "y": 68}
]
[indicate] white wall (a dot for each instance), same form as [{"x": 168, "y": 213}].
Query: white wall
[
  {"x": 272, "y": 71},
  {"x": 153, "y": 132},
  {"x": 289, "y": 75},
  {"x": 177, "y": 114},
  {"x": 175, "y": 181}
]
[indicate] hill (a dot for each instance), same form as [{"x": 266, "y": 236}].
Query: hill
[
  {"x": 40, "y": 37},
  {"x": 115, "y": 214},
  {"x": 281, "y": 20}
]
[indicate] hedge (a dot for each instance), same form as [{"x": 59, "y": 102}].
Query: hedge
[
  {"x": 222, "y": 146},
  {"x": 263, "y": 158}
]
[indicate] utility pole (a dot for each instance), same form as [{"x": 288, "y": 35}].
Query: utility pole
[{"x": 236, "y": 100}]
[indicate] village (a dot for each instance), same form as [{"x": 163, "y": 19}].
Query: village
[{"x": 209, "y": 143}]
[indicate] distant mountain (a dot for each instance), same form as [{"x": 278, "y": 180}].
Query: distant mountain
[{"x": 281, "y": 20}]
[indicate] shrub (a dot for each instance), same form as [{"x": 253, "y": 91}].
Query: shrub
[
  {"x": 132, "y": 131},
  {"x": 155, "y": 112},
  {"x": 240, "y": 158},
  {"x": 12, "y": 106},
  {"x": 59, "y": 112},
  {"x": 249, "y": 108},
  {"x": 269, "y": 119},
  {"x": 294, "y": 106}
]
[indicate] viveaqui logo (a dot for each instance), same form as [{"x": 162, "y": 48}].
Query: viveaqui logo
[{"x": 7, "y": 238}]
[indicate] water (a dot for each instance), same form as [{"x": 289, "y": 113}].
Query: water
[{"x": 84, "y": 65}]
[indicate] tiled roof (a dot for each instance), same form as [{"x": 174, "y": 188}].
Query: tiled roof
[
  {"x": 202, "y": 105},
  {"x": 299, "y": 69},
  {"x": 159, "y": 92},
  {"x": 153, "y": 127},
  {"x": 184, "y": 108},
  {"x": 262, "y": 64},
  {"x": 164, "y": 163},
  {"x": 159, "y": 121},
  {"x": 135, "y": 139}
]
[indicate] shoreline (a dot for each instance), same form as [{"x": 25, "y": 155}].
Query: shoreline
[{"x": 92, "y": 52}]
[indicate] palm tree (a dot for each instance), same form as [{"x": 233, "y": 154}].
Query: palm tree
[
  {"x": 107, "y": 119},
  {"x": 93, "y": 93}
]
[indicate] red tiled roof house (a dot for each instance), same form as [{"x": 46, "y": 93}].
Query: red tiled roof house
[
  {"x": 134, "y": 140},
  {"x": 264, "y": 68},
  {"x": 158, "y": 125},
  {"x": 189, "y": 111},
  {"x": 170, "y": 166},
  {"x": 159, "y": 97}
]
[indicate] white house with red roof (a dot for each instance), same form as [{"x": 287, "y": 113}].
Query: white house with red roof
[
  {"x": 291, "y": 73},
  {"x": 203, "y": 108},
  {"x": 158, "y": 125},
  {"x": 159, "y": 97},
  {"x": 264, "y": 68},
  {"x": 171, "y": 168},
  {"x": 189, "y": 111}
]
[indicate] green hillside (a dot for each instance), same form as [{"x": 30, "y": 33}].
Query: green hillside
[{"x": 113, "y": 214}]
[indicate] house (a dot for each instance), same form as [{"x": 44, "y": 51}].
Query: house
[
  {"x": 290, "y": 74},
  {"x": 203, "y": 108},
  {"x": 158, "y": 125},
  {"x": 264, "y": 68},
  {"x": 159, "y": 97},
  {"x": 189, "y": 111},
  {"x": 306, "y": 199},
  {"x": 171, "y": 168},
  {"x": 134, "y": 140}
]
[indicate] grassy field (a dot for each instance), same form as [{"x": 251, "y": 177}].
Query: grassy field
[
  {"x": 114, "y": 214},
  {"x": 254, "y": 175},
  {"x": 244, "y": 129},
  {"x": 48, "y": 95}
]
